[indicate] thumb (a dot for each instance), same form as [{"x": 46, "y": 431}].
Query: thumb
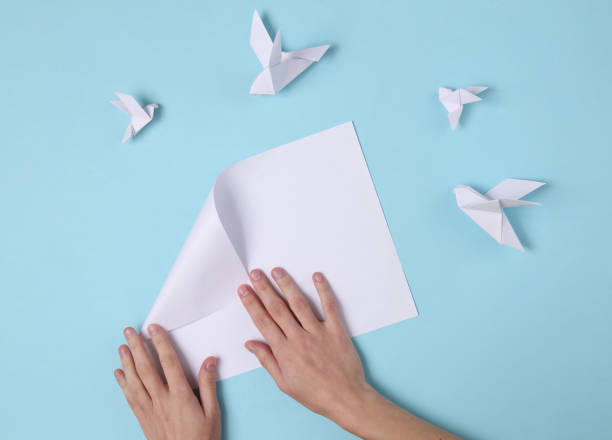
[{"x": 207, "y": 380}]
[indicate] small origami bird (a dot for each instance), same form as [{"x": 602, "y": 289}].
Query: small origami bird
[
  {"x": 453, "y": 101},
  {"x": 280, "y": 68},
  {"x": 140, "y": 116},
  {"x": 488, "y": 210}
]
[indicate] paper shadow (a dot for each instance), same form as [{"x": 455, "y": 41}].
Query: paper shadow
[{"x": 229, "y": 214}]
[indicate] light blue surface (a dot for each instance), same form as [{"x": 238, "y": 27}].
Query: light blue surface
[{"x": 508, "y": 345}]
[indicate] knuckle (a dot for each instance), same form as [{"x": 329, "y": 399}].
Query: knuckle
[
  {"x": 300, "y": 304},
  {"x": 277, "y": 308},
  {"x": 306, "y": 344},
  {"x": 134, "y": 404},
  {"x": 182, "y": 392},
  {"x": 263, "y": 320},
  {"x": 330, "y": 305},
  {"x": 160, "y": 341},
  {"x": 145, "y": 372},
  {"x": 166, "y": 357}
]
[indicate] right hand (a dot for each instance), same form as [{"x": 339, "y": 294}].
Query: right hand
[
  {"x": 312, "y": 361},
  {"x": 316, "y": 363}
]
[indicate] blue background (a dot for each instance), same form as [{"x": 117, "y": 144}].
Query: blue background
[{"x": 508, "y": 345}]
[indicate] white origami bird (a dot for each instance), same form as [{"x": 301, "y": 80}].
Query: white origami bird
[
  {"x": 453, "y": 101},
  {"x": 140, "y": 116},
  {"x": 280, "y": 68},
  {"x": 488, "y": 210}
]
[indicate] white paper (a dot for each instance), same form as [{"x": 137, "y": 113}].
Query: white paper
[
  {"x": 453, "y": 101},
  {"x": 307, "y": 206},
  {"x": 487, "y": 210},
  {"x": 139, "y": 116},
  {"x": 279, "y": 68}
]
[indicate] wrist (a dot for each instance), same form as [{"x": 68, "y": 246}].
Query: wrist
[{"x": 359, "y": 412}]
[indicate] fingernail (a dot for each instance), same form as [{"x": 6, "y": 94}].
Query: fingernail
[
  {"x": 129, "y": 332},
  {"x": 318, "y": 277},
  {"x": 153, "y": 330},
  {"x": 278, "y": 273},
  {"x": 256, "y": 274},
  {"x": 211, "y": 365},
  {"x": 243, "y": 290},
  {"x": 123, "y": 350},
  {"x": 250, "y": 347}
]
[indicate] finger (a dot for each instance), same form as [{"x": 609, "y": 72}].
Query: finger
[
  {"x": 260, "y": 317},
  {"x": 296, "y": 299},
  {"x": 144, "y": 367},
  {"x": 169, "y": 360},
  {"x": 274, "y": 304},
  {"x": 266, "y": 358},
  {"x": 120, "y": 378},
  {"x": 127, "y": 363},
  {"x": 328, "y": 302},
  {"x": 207, "y": 380},
  {"x": 133, "y": 389}
]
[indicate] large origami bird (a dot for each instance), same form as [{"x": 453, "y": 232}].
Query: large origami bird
[
  {"x": 279, "y": 68},
  {"x": 487, "y": 210},
  {"x": 453, "y": 101},
  {"x": 140, "y": 116}
]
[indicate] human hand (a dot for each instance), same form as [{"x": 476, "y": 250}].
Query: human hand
[
  {"x": 312, "y": 361},
  {"x": 171, "y": 410}
]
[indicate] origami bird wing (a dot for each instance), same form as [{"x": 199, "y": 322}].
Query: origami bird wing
[
  {"x": 476, "y": 89},
  {"x": 449, "y": 99},
  {"x": 131, "y": 105},
  {"x": 467, "y": 97},
  {"x": 508, "y": 236},
  {"x": 466, "y": 196},
  {"x": 311, "y": 54},
  {"x": 260, "y": 40},
  {"x": 287, "y": 71},
  {"x": 513, "y": 189},
  {"x": 121, "y": 107}
]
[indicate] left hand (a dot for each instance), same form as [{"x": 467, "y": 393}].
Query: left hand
[{"x": 171, "y": 410}]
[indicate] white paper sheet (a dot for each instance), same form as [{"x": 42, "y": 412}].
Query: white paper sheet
[
  {"x": 487, "y": 210},
  {"x": 139, "y": 116},
  {"x": 453, "y": 101},
  {"x": 307, "y": 206},
  {"x": 279, "y": 68}
]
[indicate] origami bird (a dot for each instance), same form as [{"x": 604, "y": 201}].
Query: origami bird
[
  {"x": 279, "y": 68},
  {"x": 140, "y": 116},
  {"x": 488, "y": 210},
  {"x": 453, "y": 101}
]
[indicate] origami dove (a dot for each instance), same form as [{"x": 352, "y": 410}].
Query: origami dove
[
  {"x": 488, "y": 210},
  {"x": 279, "y": 68},
  {"x": 453, "y": 101},
  {"x": 140, "y": 116}
]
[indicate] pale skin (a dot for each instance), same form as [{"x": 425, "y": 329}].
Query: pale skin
[{"x": 311, "y": 360}]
